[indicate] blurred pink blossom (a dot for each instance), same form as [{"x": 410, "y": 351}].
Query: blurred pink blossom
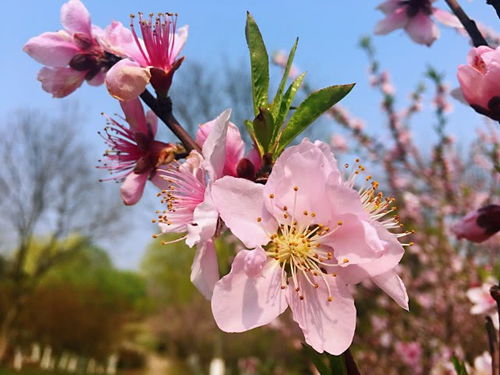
[
  {"x": 339, "y": 143},
  {"x": 483, "y": 302},
  {"x": 415, "y": 18},
  {"x": 411, "y": 353},
  {"x": 280, "y": 58},
  {"x": 479, "y": 225}
]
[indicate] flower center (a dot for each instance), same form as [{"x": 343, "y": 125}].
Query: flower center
[
  {"x": 159, "y": 39},
  {"x": 416, "y": 6},
  {"x": 298, "y": 249}
]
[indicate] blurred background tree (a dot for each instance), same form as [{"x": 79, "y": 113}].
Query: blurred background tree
[{"x": 52, "y": 206}]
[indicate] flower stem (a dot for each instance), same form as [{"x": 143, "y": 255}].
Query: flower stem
[
  {"x": 162, "y": 107},
  {"x": 493, "y": 337},
  {"x": 352, "y": 368},
  {"x": 469, "y": 24}
]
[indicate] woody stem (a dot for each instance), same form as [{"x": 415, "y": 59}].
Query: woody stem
[{"x": 162, "y": 107}]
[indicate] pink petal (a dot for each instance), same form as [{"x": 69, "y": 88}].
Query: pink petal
[
  {"x": 254, "y": 157},
  {"x": 307, "y": 167},
  {"x": 133, "y": 187},
  {"x": 389, "y": 6},
  {"x": 392, "y": 284},
  {"x": 205, "y": 270},
  {"x": 235, "y": 147},
  {"x": 395, "y": 20},
  {"x": 119, "y": 40},
  {"x": 446, "y": 18},
  {"x": 422, "y": 30},
  {"x": 204, "y": 224},
  {"x": 241, "y": 302},
  {"x": 355, "y": 242},
  {"x": 241, "y": 204},
  {"x": 75, "y": 17},
  {"x": 126, "y": 80},
  {"x": 98, "y": 80},
  {"x": 214, "y": 147},
  {"x": 386, "y": 260},
  {"x": 134, "y": 115},
  {"x": 60, "y": 82},
  {"x": 52, "y": 49},
  {"x": 327, "y": 326},
  {"x": 470, "y": 83},
  {"x": 179, "y": 41}
]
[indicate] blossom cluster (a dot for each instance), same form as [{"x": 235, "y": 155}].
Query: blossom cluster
[{"x": 308, "y": 229}]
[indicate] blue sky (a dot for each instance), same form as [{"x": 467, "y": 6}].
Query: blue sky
[{"x": 329, "y": 32}]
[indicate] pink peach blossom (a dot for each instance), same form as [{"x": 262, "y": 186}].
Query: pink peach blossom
[
  {"x": 411, "y": 354},
  {"x": 479, "y": 225},
  {"x": 186, "y": 191},
  {"x": 312, "y": 234},
  {"x": 479, "y": 81},
  {"x": 482, "y": 365},
  {"x": 134, "y": 154},
  {"x": 153, "y": 59},
  {"x": 483, "y": 302},
  {"x": 71, "y": 55},
  {"x": 415, "y": 18}
]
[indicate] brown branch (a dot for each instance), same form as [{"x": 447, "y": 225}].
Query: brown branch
[
  {"x": 493, "y": 337},
  {"x": 162, "y": 107},
  {"x": 469, "y": 24},
  {"x": 352, "y": 368},
  {"x": 493, "y": 346},
  {"x": 495, "y": 4}
]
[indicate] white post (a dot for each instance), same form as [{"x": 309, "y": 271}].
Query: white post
[
  {"x": 46, "y": 358},
  {"x": 18, "y": 360},
  {"x": 217, "y": 367}
]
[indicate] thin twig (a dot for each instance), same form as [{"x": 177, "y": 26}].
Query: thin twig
[
  {"x": 162, "y": 107},
  {"x": 492, "y": 333},
  {"x": 469, "y": 24},
  {"x": 495, "y": 4}
]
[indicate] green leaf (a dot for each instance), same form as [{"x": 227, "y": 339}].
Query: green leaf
[
  {"x": 310, "y": 109},
  {"x": 259, "y": 62},
  {"x": 286, "y": 104},
  {"x": 263, "y": 126},
  {"x": 279, "y": 94},
  {"x": 459, "y": 366}
]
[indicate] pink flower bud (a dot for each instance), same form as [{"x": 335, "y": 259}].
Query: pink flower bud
[
  {"x": 479, "y": 81},
  {"x": 479, "y": 225}
]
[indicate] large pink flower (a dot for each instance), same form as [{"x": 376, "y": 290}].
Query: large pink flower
[
  {"x": 312, "y": 234},
  {"x": 134, "y": 154},
  {"x": 479, "y": 80},
  {"x": 71, "y": 55},
  {"x": 415, "y": 17},
  {"x": 153, "y": 59}
]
